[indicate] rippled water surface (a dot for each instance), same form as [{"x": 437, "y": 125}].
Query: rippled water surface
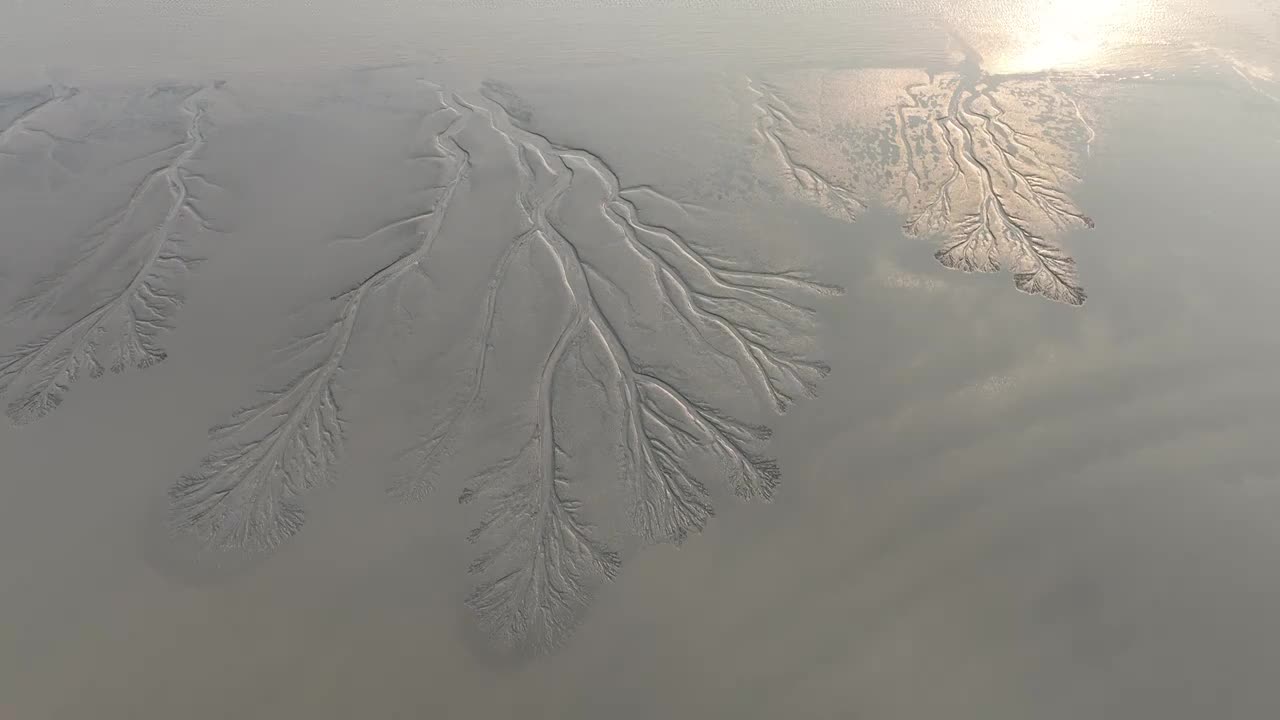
[{"x": 639, "y": 359}]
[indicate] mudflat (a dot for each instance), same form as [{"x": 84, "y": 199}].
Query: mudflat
[{"x": 639, "y": 359}]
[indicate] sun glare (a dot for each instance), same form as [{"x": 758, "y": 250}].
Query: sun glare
[{"x": 1062, "y": 34}]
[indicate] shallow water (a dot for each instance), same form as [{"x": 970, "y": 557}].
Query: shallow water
[{"x": 641, "y": 359}]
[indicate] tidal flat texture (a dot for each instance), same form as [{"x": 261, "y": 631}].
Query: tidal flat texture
[{"x": 645, "y": 359}]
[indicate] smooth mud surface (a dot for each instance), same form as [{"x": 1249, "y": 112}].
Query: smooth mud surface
[{"x": 646, "y": 359}]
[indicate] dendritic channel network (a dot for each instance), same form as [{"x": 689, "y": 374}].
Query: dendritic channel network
[
  {"x": 106, "y": 306},
  {"x": 626, "y": 285}
]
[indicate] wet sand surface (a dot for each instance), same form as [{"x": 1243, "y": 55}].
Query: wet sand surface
[{"x": 647, "y": 359}]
